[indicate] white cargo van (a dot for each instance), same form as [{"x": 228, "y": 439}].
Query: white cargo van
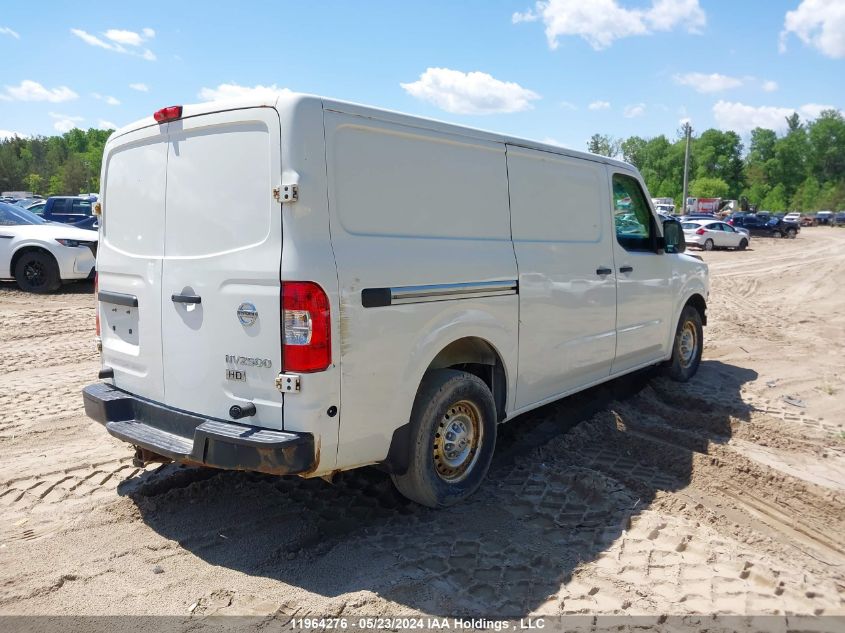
[{"x": 304, "y": 286}]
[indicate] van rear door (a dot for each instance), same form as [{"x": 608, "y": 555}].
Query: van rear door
[
  {"x": 220, "y": 290},
  {"x": 129, "y": 260}
]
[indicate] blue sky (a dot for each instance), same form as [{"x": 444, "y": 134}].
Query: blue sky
[{"x": 559, "y": 70}]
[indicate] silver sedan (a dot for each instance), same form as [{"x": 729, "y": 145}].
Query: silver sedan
[{"x": 710, "y": 234}]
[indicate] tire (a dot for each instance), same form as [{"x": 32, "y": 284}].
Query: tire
[
  {"x": 686, "y": 351},
  {"x": 708, "y": 245},
  {"x": 791, "y": 233},
  {"x": 438, "y": 475},
  {"x": 37, "y": 271},
  {"x": 743, "y": 244},
  {"x": 777, "y": 234}
]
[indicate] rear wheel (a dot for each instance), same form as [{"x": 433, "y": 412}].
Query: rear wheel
[
  {"x": 743, "y": 244},
  {"x": 453, "y": 434},
  {"x": 708, "y": 245},
  {"x": 37, "y": 271},
  {"x": 791, "y": 233},
  {"x": 686, "y": 352},
  {"x": 777, "y": 234}
]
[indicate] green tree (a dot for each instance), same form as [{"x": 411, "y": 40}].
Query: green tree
[
  {"x": 33, "y": 182},
  {"x": 718, "y": 154},
  {"x": 806, "y": 196},
  {"x": 709, "y": 188},
  {"x": 775, "y": 200},
  {"x": 55, "y": 188},
  {"x": 74, "y": 175},
  {"x": 604, "y": 145},
  {"x": 827, "y": 146}
]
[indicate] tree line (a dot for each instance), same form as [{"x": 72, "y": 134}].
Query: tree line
[
  {"x": 53, "y": 165},
  {"x": 802, "y": 170}
]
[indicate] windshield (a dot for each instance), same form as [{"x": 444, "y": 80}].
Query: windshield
[{"x": 11, "y": 215}]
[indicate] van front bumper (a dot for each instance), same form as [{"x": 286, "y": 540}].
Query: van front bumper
[{"x": 185, "y": 437}]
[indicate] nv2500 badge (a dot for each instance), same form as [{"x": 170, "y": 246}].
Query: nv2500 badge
[{"x": 248, "y": 361}]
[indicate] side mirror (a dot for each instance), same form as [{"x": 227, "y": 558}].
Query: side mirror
[{"x": 673, "y": 237}]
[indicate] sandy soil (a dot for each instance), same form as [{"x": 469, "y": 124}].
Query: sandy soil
[{"x": 643, "y": 496}]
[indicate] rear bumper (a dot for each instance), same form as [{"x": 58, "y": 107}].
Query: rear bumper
[{"x": 186, "y": 437}]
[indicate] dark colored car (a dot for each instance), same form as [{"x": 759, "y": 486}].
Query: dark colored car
[
  {"x": 839, "y": 218},
  {"x": 764, "y": 225},
  {"x": 92, "y": 223},
  {"x": 68, "y": 209},
  {"x": 824, "y": 218}
]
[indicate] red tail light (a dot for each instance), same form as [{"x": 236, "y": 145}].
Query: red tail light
[
  {"x": 97, "y": 302},
  {"x": 700, "y": 232},
  {"x": 306, "y": 327},
  {"x": 170, "y": 113},
  {"x": 731, "y": 222}
]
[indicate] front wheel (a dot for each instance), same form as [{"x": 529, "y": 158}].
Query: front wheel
[
  {"x": 453, "y": 434},
  {"x": 37, "y": 271},
  {"x": 791, "y": 233},
  {"x": 708, "y": 245},
  {"x": 777, "y": 234},
  {"x": 689, "y": 342}
]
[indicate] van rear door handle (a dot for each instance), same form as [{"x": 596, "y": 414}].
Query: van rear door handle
[
  {"x": 185, "y": 299},
  {"x": 626, "y": 269},
  {"x": 603, "y": 271}
]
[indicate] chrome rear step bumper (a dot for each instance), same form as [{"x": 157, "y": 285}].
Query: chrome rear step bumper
[{"x": 185, "y": 437}]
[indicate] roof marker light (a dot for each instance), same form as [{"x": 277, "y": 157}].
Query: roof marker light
[{"x": 170, "y": 113}]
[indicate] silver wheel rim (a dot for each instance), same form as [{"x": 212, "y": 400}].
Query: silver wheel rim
[
  {"x": 708, "y": 245},
  {"x": 687, "y": 344},
  {"x": 457, "y": 439}
]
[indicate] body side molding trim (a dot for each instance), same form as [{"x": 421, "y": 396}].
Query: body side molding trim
[{"x": 380, "y": 297}]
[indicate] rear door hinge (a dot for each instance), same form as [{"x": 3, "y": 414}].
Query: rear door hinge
[
  {"x": 288, "y": 383},
  {"x": 286, "y": 193}
]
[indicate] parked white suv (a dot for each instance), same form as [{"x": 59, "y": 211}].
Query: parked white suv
[{"x": 301, "y": 285}]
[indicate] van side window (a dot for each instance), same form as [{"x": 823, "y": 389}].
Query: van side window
[
  {"x": 59, "y": 205},
  {"x": 631, "y": 215}
]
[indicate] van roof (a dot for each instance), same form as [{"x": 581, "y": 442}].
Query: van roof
[{"x": 291, "y": 100}]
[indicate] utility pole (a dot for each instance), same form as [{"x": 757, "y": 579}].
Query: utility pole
[{"x": 688, "y": 132}]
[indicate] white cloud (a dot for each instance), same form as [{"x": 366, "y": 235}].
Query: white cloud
[
  {"x": 813, "y": 110},
  {"x": 140, "y": 87},
  {"x": 5, "y": 30},
  {"x": 108, "y": 99},
  {"x": 744, "y": 118},
  {"x": 106, "y": 125},
  {"x": 29, "y": 90},
  {"x": 817, "y": 23},
  {"x": 119, "y": 40},
  {"x": 634, "y": 110},
  {"x": 65, "y": 122},
  {"x": 553, "y": 141},
  {"x": 600, "y": 22},
  {"x": 130, "y": 38},
  {"x": 470, "y": 93},
  {"x": 566, "y": 105},
  {"x": 599, "y": 105},
  {"x": 704, "y": 83},
  {"x": 10, "y": 134},
  {"x": 236, "y": 91},
  {"x": 769, "y": 86}
]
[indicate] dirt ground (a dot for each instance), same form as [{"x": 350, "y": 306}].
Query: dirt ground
[{"x": 643, "y": 496}]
